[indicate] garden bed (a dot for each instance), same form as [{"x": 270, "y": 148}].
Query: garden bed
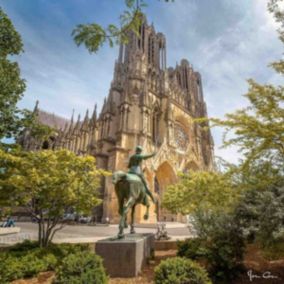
[{"x": 256, "y": 260}]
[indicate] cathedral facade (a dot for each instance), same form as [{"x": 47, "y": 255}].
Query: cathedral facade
[{"x": 148, "y": 104}]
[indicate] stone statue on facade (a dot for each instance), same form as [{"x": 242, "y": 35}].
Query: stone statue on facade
[{"x": 131, "y": 189}]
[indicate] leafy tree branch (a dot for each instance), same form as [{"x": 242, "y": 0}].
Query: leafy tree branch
[{"x": 94, "y": 36}]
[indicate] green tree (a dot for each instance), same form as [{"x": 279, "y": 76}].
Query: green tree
[
  {"x": 260, "y": 214},
  {"x": 195, "y": 190},
  {"x": 259, "y": 128},
  {"x": 12, "y": 86},
  {"x": 94, "y": 36},
  {"x": 46, "y": 183}
]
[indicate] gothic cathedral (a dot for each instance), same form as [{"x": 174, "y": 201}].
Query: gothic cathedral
[{"x": 149, "y": 104}]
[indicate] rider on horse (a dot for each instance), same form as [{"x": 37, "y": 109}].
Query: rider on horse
[{"x": 134, "y": 166}]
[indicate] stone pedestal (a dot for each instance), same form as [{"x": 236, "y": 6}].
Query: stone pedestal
[{"x": 126, "y": 257}]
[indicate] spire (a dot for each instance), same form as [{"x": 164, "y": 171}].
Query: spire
[
  {"x": 103, "y": 108},
  {"x": 87, "y": 115},
  {"x": 72, "y": 120},
  {"x": 72, "y": 116},
  {"x": 78, "y": 119},
  {"x": 86, "y": 120},
  {"x": 94, "y": 116},
  {"x": 65, "y": 128},
  {"x": 36, "y": 107},
  {"x": 77, "y": 125},
  {"x": 93, "y": 120}
]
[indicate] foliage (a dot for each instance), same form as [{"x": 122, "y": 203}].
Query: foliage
[
  {"x": 200, "y": 189},
  {"x": 27, "y": 259},
  {"x": 81, "y": 267},
  {"x": 59, "y": 250},
  {"x": 259, "y": 128},
  {"x": 47, "y": 183},
  {"x": 219, "y": 243},
  {"x": 63, "y": 250},
  {"x": 10, "y": 40},
  {"x": 14, "y": 267},
  {"x": 12, "y": 86},
  {"x": 180, "y": 270},
  {"x": 192, "y": 248},
  {"x": 93, "y": 36},
  {"x": 39, "y": 131},
  {"x": 261, "y": 214},
  {"x": 22, "y": 248}
]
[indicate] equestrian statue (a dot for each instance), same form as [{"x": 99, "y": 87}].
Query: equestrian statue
[{"x": 131, "y": 189}]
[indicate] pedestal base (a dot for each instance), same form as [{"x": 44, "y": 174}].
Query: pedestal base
[{"x": 126, "y": 257}]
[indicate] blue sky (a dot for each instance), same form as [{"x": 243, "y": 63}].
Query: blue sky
[{"x": 227, "y": 41}]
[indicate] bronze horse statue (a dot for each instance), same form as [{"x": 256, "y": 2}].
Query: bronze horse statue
[{"x": 130, "y": 191}]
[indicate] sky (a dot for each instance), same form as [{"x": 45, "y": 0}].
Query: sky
[{"x": 227, "y": 41}]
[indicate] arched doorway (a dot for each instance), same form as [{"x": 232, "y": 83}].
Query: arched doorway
[{"x": 165, "y": 176}]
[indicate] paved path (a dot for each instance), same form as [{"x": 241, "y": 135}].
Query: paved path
[{"x": 89, "y": 234}]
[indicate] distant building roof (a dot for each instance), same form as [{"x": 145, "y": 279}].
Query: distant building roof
[{"x": 52, "y": 120}]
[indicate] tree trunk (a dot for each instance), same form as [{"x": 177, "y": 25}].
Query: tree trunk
[
  {"x": 39, "y": 233},
  {"x": 47, "y": 231}
]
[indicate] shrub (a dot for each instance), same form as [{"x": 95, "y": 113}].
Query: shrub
[
  {"x": 81, "y": 267},
  {"x": 194, "y": 249},
  {"x": 220, "y": 245},
  {"x": 13, "y": 267},
  {"x": 10, "y": 268},
  {"x": 180, "y": 271},
  {"x": 27, "y": 259},
  {"x": 261, "y": 214},
  {"x": 62, "y": 250},
  {"x": 31, "y": 265},
  {"x": 24, "y": 247}
]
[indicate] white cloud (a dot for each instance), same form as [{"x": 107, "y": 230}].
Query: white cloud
[
  {"x": 228, "y": 41},
  {"x": 59, "y": 74}
]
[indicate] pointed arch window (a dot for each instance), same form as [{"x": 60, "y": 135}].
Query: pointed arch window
[
  {"x": 155, "y": 125},
  {"x": 151, "y": 49}
]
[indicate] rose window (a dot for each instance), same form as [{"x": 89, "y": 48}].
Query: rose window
[{"x": 181, "y": 137}]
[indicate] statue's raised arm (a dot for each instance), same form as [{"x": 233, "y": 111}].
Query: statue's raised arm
[{"x": 147, "y": 156}]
